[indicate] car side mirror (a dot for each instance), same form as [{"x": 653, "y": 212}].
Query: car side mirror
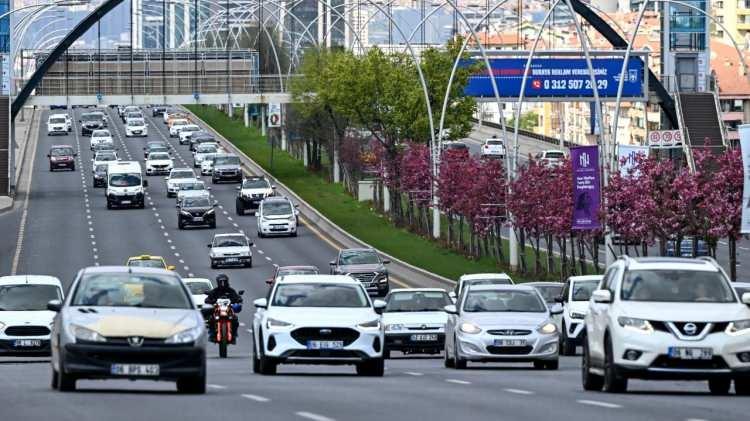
[
  {"x": 273, "y": 187},
  {"x": 54, "y": 305},
  {"x": 166, "y": 178},
  {"x": 746, "y": 298},
  {"x": 48, "y": 155},
  {"x": 378, "y": 306},
  {"x": 177, "y": 206},
  {"x": 171, "y": 267},
  {"x": 260, "y": 303},
  {"x": 450, "y": 309},
  {"x": 386, "y": 262},
  {"x": 75, "y": 154},
  {"x": 602, "y": 296},
  {"x": 208, "y": 188},
  {"x": 556, "y": 309},
  {"x": 269, "y": 281},
  {"x": 256, "y": 214},
  {"x": 145, "y": 183}
]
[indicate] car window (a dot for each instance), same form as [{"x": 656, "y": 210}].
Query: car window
[
  {"x": 549, "y": 292},
  {"x": 153, "y": 156},
  {"x": 495, "y": 142},
  {"x": 194, "y": 202},
  {"x": 275, "y": 208},
  {"x": 125, "y": 180},
  {"x": 61, "y": 152},
  {"x": 582, "y": 290},
  {"x": 206, "y": 148},
  {"x": 100, "y": 133},
  {"x": 409, "y": 301},
  {"x": 515, "y": 301},
  {"x": 319, "y": 295},
  {"x": 255, "y": 183},
  {"x": 181, "y": 174},
  {"x": 101, "y": 168},
  {"x": 131, "y": 290},
  {"x": 230, "y": 241},
  {"x": 490, "y": 281},
  {"x": 287, "y": 272},
  {"x": 227, "y": 160},
  {"x": 27, "y": 297},
  {"x": 359, "y": 257},
  {"x": 566, "y": 291},
  {"x": 554, "y": 155},
  {"x": 147, "y": 263},
  {"x": 674, "y": 285},
  {"x": 57, "y": 120},
  {"x": 135, "y": 122},
  {"x": 609, "y": 276},
  {"x": 105, "y": 157},
  {"x": 197, "y": 288}
]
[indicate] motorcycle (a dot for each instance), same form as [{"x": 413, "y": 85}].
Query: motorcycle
[{"x": 222, "y": 318}]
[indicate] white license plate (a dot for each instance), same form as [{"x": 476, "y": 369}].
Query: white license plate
[
  {"x": 231, "y": 260},
  {"x": 198, "y": 219},
  {"x": 424, "y": 337},
  {"x": 691, "y": 353},
  {"x": 510, "y": 342},
  {"x": 27, "y": 343},
  {"x": 125, "y": 202},
  {"x": 135, "y": 369},
  {"x": 325, "y": 344}
]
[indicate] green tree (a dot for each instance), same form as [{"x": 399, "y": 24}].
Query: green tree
[{"x": 529, "y": 121}]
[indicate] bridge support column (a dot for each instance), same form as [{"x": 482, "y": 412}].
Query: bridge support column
[
  {"x": 304, "y": 154},
  {"x": 284, "y": 145},
  {"x": 336, "y": 168},
  {"x": 263, "y": 119},
  {"x": 246, "y": 114}
]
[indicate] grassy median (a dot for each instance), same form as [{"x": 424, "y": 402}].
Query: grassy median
[{"x": 336, "y": 204}]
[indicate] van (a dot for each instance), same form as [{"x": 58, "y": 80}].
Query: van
[{"x": 125, "y": 185}]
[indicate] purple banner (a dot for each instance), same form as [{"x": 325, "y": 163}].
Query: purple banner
[{"x": 586, "y": 189}]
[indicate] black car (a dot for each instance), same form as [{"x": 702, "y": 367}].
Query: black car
[
  {"x": 154, "y": 147},
  {"x": 365, "y": 266},
  {"x": 158, "y": 110},
  {"x": 90, "y": 122},
  {"x": 62, "y": 156},
  {"x": 196, "y": 211},
  {"x": 200, "y": 137},
  {"x": 100, "y": 175}
]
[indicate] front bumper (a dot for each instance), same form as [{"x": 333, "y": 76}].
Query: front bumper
[
  {"x": 231, "y": 260},
  {"x": 8, "y": 346},
  {"x": 86, "y": 130},
  {"x": 209, "y": 219},
  {"x": 135, "y": 199},
  {"x": 158, "y": 170},
  {"x": 482, "y": 347},
  {"x": 131, "y": 133},
  {"x": 291, "y": 347},
  {"x": 279, "y": 227},
  {"x": 62, "y": 164},
  {"x": 407, "y": 341},
  {"x": 57, "y": 130},
  {"x": 225, "y": 175},
  {"x": 250, "y": 201},
  {"x": 573, "y": 328}
]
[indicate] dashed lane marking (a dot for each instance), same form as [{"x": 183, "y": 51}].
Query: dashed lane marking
[
  {"x": 456, "y": 381},
  {"x": 519, "y": 391},
  {"x": 268, "y": 258},
  {"x": 413, "y": 373},
  {"x": 255, "y": 398},
  {"x": 25, "y": 212},
  {"x": 599, "y": 404},
  {"x": 215, "y": 386},
  {"x": 312, "y": 416}
]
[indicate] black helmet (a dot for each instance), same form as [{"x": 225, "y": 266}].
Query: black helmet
[{"x": 222, "y": 280}]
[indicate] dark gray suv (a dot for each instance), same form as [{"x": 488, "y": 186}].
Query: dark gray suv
[{"x": 366, "y": 266}]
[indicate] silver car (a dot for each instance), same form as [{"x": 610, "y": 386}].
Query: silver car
[
  {"x": 500, "y": 323},
  {"x": 128, "y": 323}
]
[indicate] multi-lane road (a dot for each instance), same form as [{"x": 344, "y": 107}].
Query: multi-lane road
[{"x": 60, "y": 224}]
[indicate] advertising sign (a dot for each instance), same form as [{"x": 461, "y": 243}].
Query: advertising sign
[
  {"x": 744, "y": 130},
  {"x": 586, "y": 188},
  {"x": 665, "y": 138},
  {"x": 562, "y": 79},
  {"x": 274, "y": 114},
  {"x": 626, "y": 156}
]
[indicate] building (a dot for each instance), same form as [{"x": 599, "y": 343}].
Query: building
[
  {"x": 685, "y": 46},
  {"x": 734, "y": 16},
  {"x": 733, "y": 86}
]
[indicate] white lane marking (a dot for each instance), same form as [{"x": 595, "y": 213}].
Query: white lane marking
[
  {"x": 255, "y": 398},
  {"x": 599, "y": 404},
  {"x": 744, "y": 248},
  {"x": 216, "y": 386},
  {"x": 260, "y": 251},
  {"x": 177, "y": 254},
  {"x": 25, "y": 213},
  {"x": 268, "y": 258},
  {"x": 723, "y": 243},
  {"x": 235, "y": 225},
  {"x": 249, "y": 330},
  {"x": 242, "y": 324},
  {"x": 187, "y": 267},
  {"x": 519, "y": 391},
  {"x": 413, "y": 373},
  {"x": 456, "y": 381},
  {"x": 312, "y": 416},
  {"x": 696, "y": 419},
  {"x": 181, "y": 261}
]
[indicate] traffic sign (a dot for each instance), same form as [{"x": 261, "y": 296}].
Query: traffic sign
[
  {"x": 274, "y": 114},
  {"x": 665, "y": 138}
]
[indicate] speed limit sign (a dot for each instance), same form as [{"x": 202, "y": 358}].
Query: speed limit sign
[
  {"x": 274, "y": 114},
  {"x": 664, "y": 138},
  {"x": 654, "y": 139}
]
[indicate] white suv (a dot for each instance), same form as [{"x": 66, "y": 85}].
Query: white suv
[
  {"x": 669, "y": 319},
  {"x": 318, "y": 319},
  {"x": 575, "y": 300}
]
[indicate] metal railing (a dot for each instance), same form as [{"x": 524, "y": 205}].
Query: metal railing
[{"x": 526, "y": 133}]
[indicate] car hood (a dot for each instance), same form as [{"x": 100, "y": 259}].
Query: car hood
[
  {"x": 133, "y": 321},
  {"x": 416, "y": 317},
  {"x": 132, "y": 127},
  {"x": 377, "y": 267},
  {"x": 323, "y": 317},
  {"x": 579, "y": 306},
  {"x": 197, "y": 209},
  {"x": 227, "y": 167},
  {"x": 225, "y": 250},
  {"x": 158, "y": 161},
  {"x": 505, "y": 319},
  {"x": 276, "y": 217},
  {"x": 686, "y": 312},
  {"x": 32, "y": 318}
]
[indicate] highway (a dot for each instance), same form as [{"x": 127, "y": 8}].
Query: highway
[{"x": 64, "y": 226}]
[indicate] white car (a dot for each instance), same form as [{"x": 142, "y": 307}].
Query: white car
[
  {"x": 57, "y": 124},
  {"x": 414, "y": 320},
  {"x": 199, "y": 289},
  {"x": 159, "y": 163},
  {"x": 177, "y": 176},
  {"x": 251, "y": 192},
  {"x": 230, "y": 250},
  {"x": 176, "y": 126},
  {"x": 186, "y": 131},
  {"x": 136, "y": 127},
  {"x": 99, "y": 137},
  {"x": 480, "y": 279},
  {"x": 276, "y": 216},
  {"x": 500, "y": 323},
  {"x": 575, "y": 300},
  {"x": 202, "y": 150},
  {"x": 741, "y": 287},
  {"x": 68, "y": 120},
  {"x": 318, "y": 319},
  {"x": 493, "y": 148},
  {"x": 668, "y": 319},
  {"x": 551, "y": 157},
  {"x": 25, "y": 322},
  {"x": 104, "y": 157},
  {"x": 207, "y": 164},
  {"x": 551, "y": 292},
  {"x": 192, "y": 188}
]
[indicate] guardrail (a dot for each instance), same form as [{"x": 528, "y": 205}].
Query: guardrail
[{"x": 526, "y": 133}]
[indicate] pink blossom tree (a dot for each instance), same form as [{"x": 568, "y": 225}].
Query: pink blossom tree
[{"x": 416, "y": 184}]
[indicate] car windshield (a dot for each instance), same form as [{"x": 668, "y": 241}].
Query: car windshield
[
  {"x": 27, "y": 297},
  {"x": 179, "y": 122},
  {"x": 549, "y": 292},
  {"x": 359, "y": 257},
  {"x": 182, "y": 174},
  {"x": 319, "y": 295},
  {"x": 190, "y": 128},
  {"x": 196, "y": 202},
  {"x": 131, "y": 290},
  {"x": 125, "y": 180},
  {"x": 554, "y": 155},
  {"x": 91, "y": 117},
  {"x": 456, "y": 146},
  {"x": 277, "y": 208},
  {"x": 581, "y": 290},
  {"x": 153, "y": 156},
  {"x": 192, "y": 186},
  {"x": 255, "y": 183},
  {"x": 105, "y": 157},
  {"x": 496, "y": 281},
  {"x": 515, "y": 301},
  {"x": 134, "y": 115},
  {"x": 417, "y": 301},
  {"x": 104, "y": 147},
  {"x": 147, "y": 263},
  {"x": 135, "y": 122},
  {"x": 297, "y": 271},
  {"x": 206, "y": 149},
  {"x": 57, "y": 120},
  {"x": 61, "y": 152},
  {"x": 197, "y": 288},
  {"x": 230, "y": 241},
  {"x": 227, "y": 160},
  {"x": 495, "y": 142},
  {"x": 676, "y": 285},
  {"x": 100, "y": 133}
]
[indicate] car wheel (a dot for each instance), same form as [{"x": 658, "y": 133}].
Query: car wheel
[
  {"x": 591, "y": 382},
  {"x": 294, "y": 234},
  {"x": 371, "y": 368},
  {"x": 65, "y": 382},
  {"x": 267, "y": 365},
  {"x": 256, "y": 360},
  {"x": 73, "y": 167},
  {"x": 613, "y": 381},
  {"x": 742, "y": 387},
  {"x": 192, "y": 385},
  {"x": 249, "y": 264},
  {"x": 448, "y": 362},
  {"x": 180, "y": 225},
  {"x": 213, "y": 180},
  {"x": 566, "y": 345},
  {"x": 53, "y": 382},
  {"x": 719, "y": 386},
  {"x": 212, "y": 225},
  {"x": 109, "y": 204},
  {"x": 213, "y": 265},
  {"x": 239, "y": 208},
  {"x": 51, "y": 169},
  {"x": 458, "y": 362},
  {"x": 552, "y": 365}
]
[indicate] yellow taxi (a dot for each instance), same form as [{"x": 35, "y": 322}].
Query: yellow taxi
[{"x": 148, "y": 261}]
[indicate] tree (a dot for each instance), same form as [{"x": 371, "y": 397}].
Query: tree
[
  {"x": 529, "y": 121},
  {"x": 416, "y": 183}
]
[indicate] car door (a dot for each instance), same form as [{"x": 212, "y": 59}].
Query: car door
[{"x": 450, "y": 326}]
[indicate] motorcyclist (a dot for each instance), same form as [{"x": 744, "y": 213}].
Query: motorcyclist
[{"x": 224, "y": 290}]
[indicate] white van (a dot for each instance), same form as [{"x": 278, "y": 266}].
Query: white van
[
  {"x": 57, "y": 124},
  {"x": 125, "y": 185}
]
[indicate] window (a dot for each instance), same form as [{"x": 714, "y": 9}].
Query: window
[
  {"x": 676, "y": 285},
  {"x": 319, "y": 295},
  {"x": 131, "y": 290},
  {"x": 504, "y": 301}
]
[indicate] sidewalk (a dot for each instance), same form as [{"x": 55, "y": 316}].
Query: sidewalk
[{"x": 23, "y": 129}]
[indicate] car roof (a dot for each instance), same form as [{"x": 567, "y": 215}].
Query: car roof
[
  {"x": 472, "y": 276},
  {"x": 57, "y": 115},
  {"x": 520, "y": 287},
  {"x": 395, "y": 290},
  {"x": 664, "y": 263},
  {"x": 357, "y": 249},
  {"x": 181, "y": 169},
  {"x": 585, "y": 278},
  {"x": 291, "y": 267},
  {"x": 60, "y": 146},
  {"x": 226, "y": 234},
  {"x": 317, "y": 279},
  {"x": 545, "y": 284},
  {"x": 30, "y": 279},
  {"x": 127, "y": 269},
  {"x": 275, "y": 199},
  {"x": 145, "y": 257}
]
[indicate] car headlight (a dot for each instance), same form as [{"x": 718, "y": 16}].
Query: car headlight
[
  {"x": 394, "y": 327},
  {"x": 470, "y": 328},
  {"x": 382, "y": 278},
  {"x": 185, "y": 336},
  {"x": 636, "y": 325},
  {"x": 209, "y": 212},
  {"x": 577, "y": 315},
  {"x": 547, "y": 328},
  {"x": 740, "y": 327},
  {"x": 85, "y": 334},
  {"x": 277, "y": 324},
  {"x": 371, "y": 325},
  {"x": 186, "y": 213}
]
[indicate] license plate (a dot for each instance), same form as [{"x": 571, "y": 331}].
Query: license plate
[
  {"x": 425, "y": 337},
  {"x": 325, "y": 344},
  {"x": 135, "y": 369},
  {"x": 27, "y": 343},
  {"x": 691, "y": 353},
  {"x": 231, "y": 260},
  {"x": 198, "y": 218},
  {"x": 510, "y": 342},
  {"x": 125, "y": 202}
]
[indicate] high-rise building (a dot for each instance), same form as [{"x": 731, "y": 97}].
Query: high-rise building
[
  {"x": 685, "y": 46},
  {"x": 734, "y": 16}
]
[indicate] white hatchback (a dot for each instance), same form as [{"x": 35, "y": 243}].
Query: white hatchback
[
  {"x": 575, "y": 300},
  {"x": 100, "y": 137}
]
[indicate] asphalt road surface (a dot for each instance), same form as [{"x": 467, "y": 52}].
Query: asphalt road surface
[{"x": 65, "y": 226}]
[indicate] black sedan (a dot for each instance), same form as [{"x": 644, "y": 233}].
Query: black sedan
[
  {"x": 196, "y": 210},
  {"x": 100, "y": 175}
]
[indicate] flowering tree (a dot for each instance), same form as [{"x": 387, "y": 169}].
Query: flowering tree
[
  {"x": 527, "y": 203},
  {"x": 416, "y": 183},
  {"x": 456, "y": 178}
]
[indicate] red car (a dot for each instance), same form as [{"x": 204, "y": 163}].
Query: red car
[{"x": 62, "y": 156}]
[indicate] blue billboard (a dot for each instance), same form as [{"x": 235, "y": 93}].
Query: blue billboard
[{"x": 557, "y": 79}]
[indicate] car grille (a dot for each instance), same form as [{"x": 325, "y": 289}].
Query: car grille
[
  {"x": 346, "y": 335},
  {"x": 424, "y": 327},
  {"x": 364, "y": 277},
  {"x": 27, "y": 331},
  {"x": 664, "y": 362},
  {"x": 509, "y": 350},
  {"x": 663, "y": 327},
  {"x": 198, "y": 213},
  {"x": 572, "y": 328},
  {"x": 159, "y": 167},
  {"x": 257, "y": 196},
  {"x": 509, "y": 332}
]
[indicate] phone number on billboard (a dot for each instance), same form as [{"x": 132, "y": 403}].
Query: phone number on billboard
[{"x": 564, "y": 84}]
